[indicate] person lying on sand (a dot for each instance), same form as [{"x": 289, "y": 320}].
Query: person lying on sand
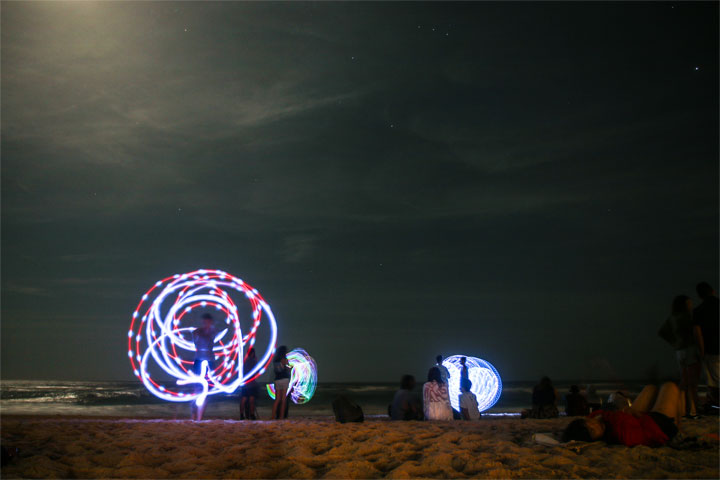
[{"x": 653, "y": 419}]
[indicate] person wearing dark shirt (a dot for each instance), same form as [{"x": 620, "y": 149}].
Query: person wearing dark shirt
[
  {"x": 575, "y": 403},
  {"x": 405, "y": 404},
  {"x": 544, "y": 401},
  {"x": 283, "y": 370},
  {"x": 652, "y": 420},
  {"x": 706, "y": 319}
]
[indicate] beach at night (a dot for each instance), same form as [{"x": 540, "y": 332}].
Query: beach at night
[{"x": 231, "y": 231}]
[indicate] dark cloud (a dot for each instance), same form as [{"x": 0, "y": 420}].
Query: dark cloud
[{"x": 531, "y": 183}]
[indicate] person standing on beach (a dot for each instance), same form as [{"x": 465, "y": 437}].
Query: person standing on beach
[
  {"x": 203, "y": 338},
  {"x": 705, "y": 317},
  {"x": 249, "y": 391},
  {"x": 678, "y": 330},
  {"x": 464, "y": 372},
  {"x": 282, "y": 382},
  {"x": 436, "y": 399},
  {"x": 444, "y": 373}
]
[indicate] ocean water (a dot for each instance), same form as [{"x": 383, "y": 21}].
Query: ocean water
[{"x": 131, "y": 399}]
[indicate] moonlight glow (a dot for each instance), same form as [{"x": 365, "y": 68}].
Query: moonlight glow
[
  {"x": 157, "y": 335},
  {"x": 486, "y": 383},
  {"x": 303, "y": 378}
]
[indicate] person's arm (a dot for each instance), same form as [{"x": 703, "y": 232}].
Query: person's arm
[
  {"x": 699, "y": 339},
  {"x": 465, "y": 413}
]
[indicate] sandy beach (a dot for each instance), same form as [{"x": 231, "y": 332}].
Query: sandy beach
[{"x": 86, "y": 447}]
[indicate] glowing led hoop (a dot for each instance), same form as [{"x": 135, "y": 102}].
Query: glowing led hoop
[
  {"x": 158, "y": 337},
  {"x": 486, "y": 383},
  {"x": 303, "y": 377}
]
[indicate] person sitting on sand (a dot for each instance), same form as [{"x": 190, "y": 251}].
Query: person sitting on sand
[
  {"x": 282, "y": 382},
  {"x": 575, "y": 403},
  {"x": 652, "y": 420},
  {"x": 468, "y": 402},
  {"x": 405, "y": 404},
  {"x": 443, "y": 369},
  {"x": 544, "y": 401},
  {"x": 436, "y": 399},
  {"x": 249, "y": 391},
  {"x": 678, "y": 330},
  {"x": 203, "y": 338},
  {"x": 593, "y": 399}
]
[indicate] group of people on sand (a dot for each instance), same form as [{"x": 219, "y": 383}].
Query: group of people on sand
[
  {"x": 435, "y": 403},
  {"x": 653, "y": 417},
  {"x": 204, "y": 337},
  {"x": 248, "y": 392}
]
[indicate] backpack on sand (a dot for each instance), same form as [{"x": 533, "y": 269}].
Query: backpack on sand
[{"x": 346, "y": 410}]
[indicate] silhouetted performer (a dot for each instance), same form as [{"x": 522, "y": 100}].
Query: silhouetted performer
[
  {"x": 203, "y": 338},
  {"x": 282, "y": 369},
  {"x": 249, "y": 391},
  {"x": 705, "y": 317},
  {"x": 443, "y": 370}
]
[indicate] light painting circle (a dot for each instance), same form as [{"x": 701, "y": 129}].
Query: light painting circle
[
  {"x": 486, "y": 383},
  {"x": 157, "y": 335},
  {"x": 303, "y": 377}
]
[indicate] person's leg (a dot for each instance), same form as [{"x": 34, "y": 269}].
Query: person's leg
[
  {"x": 669, "y": 401},
  {"x": 279, "y": 404},
  {"x": 243, "y": 401},
  {"x": 252, "y": 415},
  {"x": 201, "y": 410},
  {"x": 283, "y": 405},
  {"x": 276, "y": 405},
  {"x": 645, "y": 399},
  {"x": 694, "y": 371},
  {"x": 687, "y": 389}
]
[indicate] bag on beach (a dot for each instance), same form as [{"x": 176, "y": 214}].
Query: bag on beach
[{"x": 346, "y": 410}]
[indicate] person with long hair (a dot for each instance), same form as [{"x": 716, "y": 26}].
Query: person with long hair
[
  {"x": 436, "y": 398},
  {"x": 282, "y": 368},
  {"x": 680, "y": 332}
]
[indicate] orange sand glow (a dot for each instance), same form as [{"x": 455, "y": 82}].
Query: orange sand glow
[{"x": 66, "y": 447}]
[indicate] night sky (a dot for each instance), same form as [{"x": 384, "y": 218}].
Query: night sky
[{"x": 527, "y": 183}]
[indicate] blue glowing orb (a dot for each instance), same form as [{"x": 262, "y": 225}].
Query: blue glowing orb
[{"x": 486, "y": 383}]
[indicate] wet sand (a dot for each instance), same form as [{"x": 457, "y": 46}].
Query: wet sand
[{"x": 87, "y": 447}]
